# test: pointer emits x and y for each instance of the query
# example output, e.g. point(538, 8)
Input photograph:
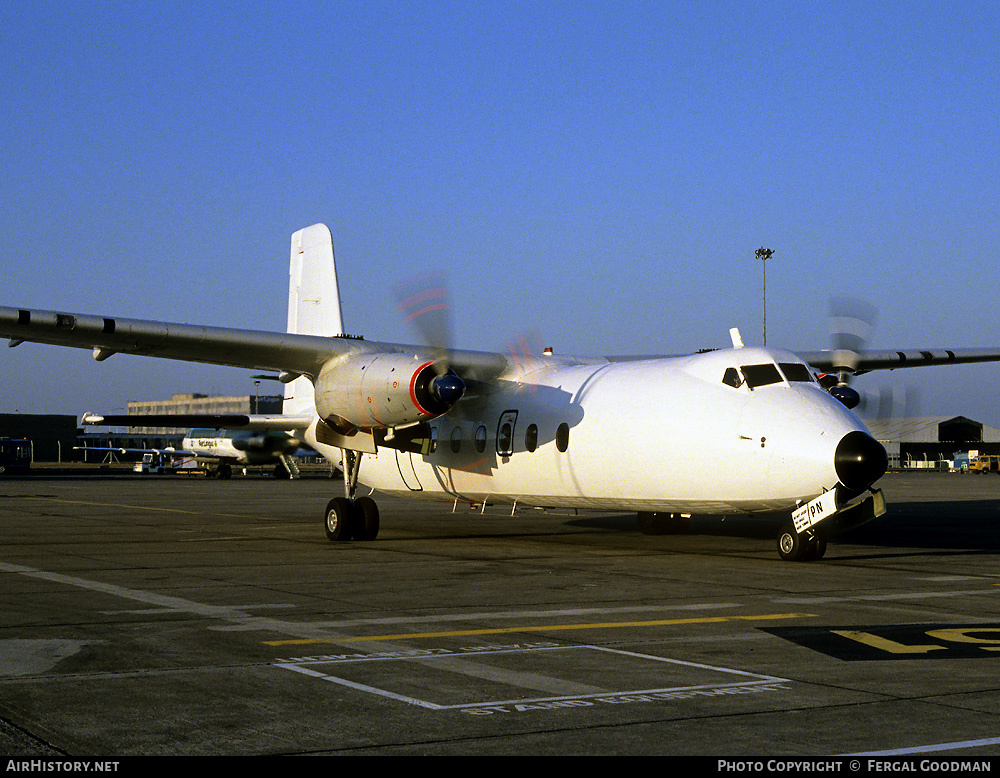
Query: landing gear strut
point(350, 517)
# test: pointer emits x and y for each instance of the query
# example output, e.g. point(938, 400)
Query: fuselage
point(733, 431)
point(239, 447)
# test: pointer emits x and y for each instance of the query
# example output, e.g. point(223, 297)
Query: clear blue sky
point(597, 173)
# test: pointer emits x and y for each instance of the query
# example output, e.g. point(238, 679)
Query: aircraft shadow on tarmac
point(970, 525)
point(947, 525)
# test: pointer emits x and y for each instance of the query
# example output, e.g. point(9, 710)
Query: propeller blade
point(888, 403)
point(425, 302)
point(851, 323)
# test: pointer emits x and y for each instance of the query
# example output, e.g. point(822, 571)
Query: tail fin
point(313, 297)
point(313, 302)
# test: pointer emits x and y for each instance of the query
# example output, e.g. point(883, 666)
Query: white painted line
point(231, 614)
point(932, 748)
point(993, 591)
point(362, 687)
point(725, 687)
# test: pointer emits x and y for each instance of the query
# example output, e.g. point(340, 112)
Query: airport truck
point(985, 463)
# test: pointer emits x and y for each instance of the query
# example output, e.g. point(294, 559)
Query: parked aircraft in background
point(218, 450)
point(631, 434)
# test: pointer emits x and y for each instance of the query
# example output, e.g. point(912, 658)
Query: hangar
point(927, 441)
point(52, 436)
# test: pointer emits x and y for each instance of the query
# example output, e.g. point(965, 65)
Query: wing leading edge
point(288, 353)
point(303, 354)
point(859, 362)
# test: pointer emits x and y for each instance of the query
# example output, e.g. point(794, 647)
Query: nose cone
point(860, 460)
point(448, 388)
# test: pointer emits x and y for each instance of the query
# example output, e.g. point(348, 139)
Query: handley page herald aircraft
point(726, 432)
point(216, 449)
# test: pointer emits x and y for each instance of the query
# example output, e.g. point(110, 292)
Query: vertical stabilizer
point(313, 301)
point(313, 297)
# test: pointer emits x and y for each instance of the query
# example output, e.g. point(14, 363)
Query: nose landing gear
point(804, 540)
point(809, 546)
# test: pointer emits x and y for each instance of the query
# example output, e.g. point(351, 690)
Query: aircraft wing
point(302, 354)
point(228, 421)
point(292, 354)
point(863, 361)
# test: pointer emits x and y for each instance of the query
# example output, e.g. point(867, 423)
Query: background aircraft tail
point(313, 302)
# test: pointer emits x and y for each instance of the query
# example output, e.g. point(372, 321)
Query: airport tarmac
point(144, 615)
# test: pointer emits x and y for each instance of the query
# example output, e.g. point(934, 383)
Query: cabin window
point(732, 378)
point(505, 439)
point(481, 436)
point(562, 437)
point(796, 371)
point(761, 375)
point(456, 440)
point(531, 437)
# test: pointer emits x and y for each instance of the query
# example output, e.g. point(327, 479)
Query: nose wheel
point(807, 547)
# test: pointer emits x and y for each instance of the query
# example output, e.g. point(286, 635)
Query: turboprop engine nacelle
point(381, 391)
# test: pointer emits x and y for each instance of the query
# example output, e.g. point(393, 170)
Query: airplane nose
point(860, 460)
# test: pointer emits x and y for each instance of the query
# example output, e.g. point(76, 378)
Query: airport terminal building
point(200, 403)
point(60, 438)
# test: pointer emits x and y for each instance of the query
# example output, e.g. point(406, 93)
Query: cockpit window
point(761, 375)
point(796, 371)
point(732, 378)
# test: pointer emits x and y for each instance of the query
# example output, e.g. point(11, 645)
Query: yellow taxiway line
point(540, 628)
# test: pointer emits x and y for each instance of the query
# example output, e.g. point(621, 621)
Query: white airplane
point(729, 432)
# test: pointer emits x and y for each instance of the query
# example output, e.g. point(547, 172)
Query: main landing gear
point(351, 517)
point(348, 519)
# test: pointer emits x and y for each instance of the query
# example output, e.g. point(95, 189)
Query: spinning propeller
point(425, 302)
point(851, 323)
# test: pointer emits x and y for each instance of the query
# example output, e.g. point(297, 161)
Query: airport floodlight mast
point(764, 254)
